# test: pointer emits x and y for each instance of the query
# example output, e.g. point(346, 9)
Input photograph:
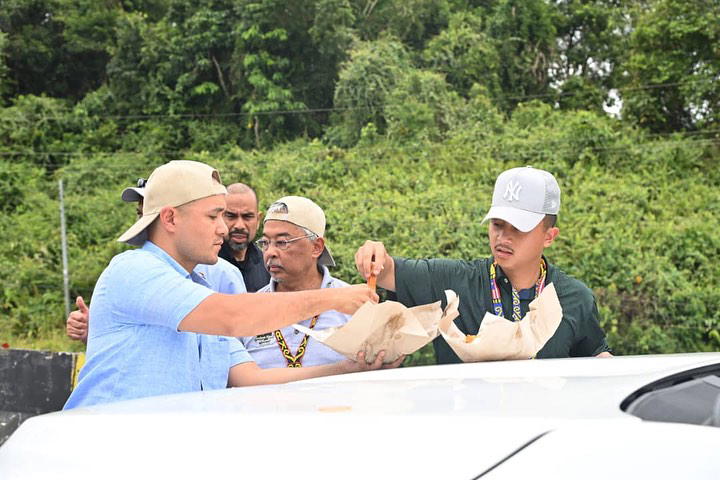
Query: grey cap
point(523, 196)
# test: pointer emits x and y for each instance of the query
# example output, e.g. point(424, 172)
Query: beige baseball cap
point(304, 213)
point(171, 185)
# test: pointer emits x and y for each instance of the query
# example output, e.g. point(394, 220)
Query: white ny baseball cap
point(523, 196)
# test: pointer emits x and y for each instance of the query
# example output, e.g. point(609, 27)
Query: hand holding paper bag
point(501, 339)
point(388, 326)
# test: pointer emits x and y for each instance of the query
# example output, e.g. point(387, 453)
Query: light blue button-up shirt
point(134, 346)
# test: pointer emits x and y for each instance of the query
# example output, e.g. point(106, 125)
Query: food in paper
point(501, 339)
point(388, 326)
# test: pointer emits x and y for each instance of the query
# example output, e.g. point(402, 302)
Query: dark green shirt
point(418, 282)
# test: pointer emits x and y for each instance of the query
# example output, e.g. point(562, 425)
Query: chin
point(210, 260)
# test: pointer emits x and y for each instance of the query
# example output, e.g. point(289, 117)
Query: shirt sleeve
point(154, 293)
point(419, 282)
point(238, 353)
point(591, 338)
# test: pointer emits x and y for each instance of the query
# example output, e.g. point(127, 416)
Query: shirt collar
point(195, 276)
point(501, 277)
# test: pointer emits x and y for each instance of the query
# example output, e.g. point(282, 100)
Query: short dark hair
point(549, 221)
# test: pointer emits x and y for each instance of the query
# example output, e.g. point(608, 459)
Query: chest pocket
point(214, 362)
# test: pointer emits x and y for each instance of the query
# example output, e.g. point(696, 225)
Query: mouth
point(503, 251)
point(273, 267)
point(239, 235)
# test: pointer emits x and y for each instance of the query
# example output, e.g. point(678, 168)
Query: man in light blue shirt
point(150, 304)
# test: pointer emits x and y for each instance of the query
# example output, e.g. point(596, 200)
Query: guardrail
point(34, 382)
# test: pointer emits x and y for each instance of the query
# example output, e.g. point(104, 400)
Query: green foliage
point(364, 82)
point(4, 70)
point(675, 45)
point(430, 101)
point(465, 54)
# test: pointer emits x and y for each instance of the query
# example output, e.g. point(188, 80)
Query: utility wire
point(558, 146)
point(26, 116)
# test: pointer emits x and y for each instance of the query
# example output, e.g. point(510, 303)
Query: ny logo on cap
point(512, 191)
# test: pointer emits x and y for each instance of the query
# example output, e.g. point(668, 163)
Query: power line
point(559, 146)
point(303, 111)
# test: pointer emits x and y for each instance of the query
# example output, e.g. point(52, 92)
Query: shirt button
point(505, 280)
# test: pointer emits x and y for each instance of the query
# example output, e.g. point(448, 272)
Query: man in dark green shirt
point(522, 219)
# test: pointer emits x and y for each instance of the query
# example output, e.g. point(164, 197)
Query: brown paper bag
point(501, 339)
point(388, 326)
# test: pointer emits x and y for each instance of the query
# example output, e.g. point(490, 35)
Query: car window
point(691, 397)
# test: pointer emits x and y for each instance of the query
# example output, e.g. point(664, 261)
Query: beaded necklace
point(497, 299)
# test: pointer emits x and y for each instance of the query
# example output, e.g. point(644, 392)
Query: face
point(513, 249)
point(241, 217)
point(200, 230)
point(293, 265)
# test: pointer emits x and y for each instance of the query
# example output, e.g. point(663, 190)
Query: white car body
point(496, 420)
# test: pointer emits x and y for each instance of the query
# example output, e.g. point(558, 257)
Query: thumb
point(81, 305)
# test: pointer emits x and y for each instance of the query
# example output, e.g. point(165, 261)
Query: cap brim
point(137, 234)
point(520, 219)
point(133, 194)
point(326, 258)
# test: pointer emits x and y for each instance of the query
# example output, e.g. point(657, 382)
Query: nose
point(222, 228)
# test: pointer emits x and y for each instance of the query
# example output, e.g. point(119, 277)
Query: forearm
point(386, 278)
point(248, 374)
point(252, 314)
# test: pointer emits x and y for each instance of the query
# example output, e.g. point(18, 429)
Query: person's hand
point(349, 299)
point(361, 365)
point(77, 323)
point(371, 258)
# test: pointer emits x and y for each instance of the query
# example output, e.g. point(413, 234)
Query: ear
point(168, 218)
point(550, 236)
point(260, 216)
point(318, 247)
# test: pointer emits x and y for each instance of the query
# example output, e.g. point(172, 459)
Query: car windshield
point(691, 397)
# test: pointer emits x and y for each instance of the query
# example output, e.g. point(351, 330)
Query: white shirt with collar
point(266, 352)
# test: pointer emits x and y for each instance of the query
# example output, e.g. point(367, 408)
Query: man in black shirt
point(242, 218)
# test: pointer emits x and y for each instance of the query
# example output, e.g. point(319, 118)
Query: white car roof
point(449, 421)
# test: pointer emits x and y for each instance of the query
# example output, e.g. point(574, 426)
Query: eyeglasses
point(281, 244)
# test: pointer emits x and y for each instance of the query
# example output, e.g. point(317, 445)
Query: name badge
point(264, 340)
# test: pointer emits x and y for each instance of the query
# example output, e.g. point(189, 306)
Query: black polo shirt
point(252, 267)
point(418, 282)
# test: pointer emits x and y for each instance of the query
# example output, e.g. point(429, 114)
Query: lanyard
point(497, 299)
point(294, 361)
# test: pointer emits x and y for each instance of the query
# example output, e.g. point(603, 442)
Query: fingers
point(396, 363)
point(81, 305)
point(370, 258)
point(77, 317)
point(378, 363)
point(77, 325)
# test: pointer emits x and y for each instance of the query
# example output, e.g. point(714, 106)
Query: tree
point(590, 39)
point(673, 65)
point(524, 33)
point(371, 72)
point(465, 54)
